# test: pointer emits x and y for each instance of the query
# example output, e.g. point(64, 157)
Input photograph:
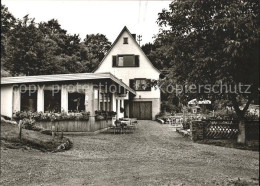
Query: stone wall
point(197, 130)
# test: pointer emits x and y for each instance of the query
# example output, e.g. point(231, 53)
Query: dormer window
point(125, 40)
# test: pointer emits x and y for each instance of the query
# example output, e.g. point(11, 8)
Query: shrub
point(29, 124)
point(47, 132)
point(99, 117)
point(50, 116)
point(249, 116)
point(111, 113)
point(169, 107)
point(122, 109)
point(104, 114)
point(186, 125)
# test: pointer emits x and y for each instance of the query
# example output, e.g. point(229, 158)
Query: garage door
point(141, 110)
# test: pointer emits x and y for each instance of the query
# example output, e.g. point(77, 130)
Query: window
point(104, 101)
point(125, 40)
point(52, 101)
point(76, 102)
point(29, 101)
point(140, 84)
point(129, 60)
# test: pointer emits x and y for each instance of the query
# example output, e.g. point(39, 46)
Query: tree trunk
point(241, 138)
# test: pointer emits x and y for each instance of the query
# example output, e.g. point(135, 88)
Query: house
point(56, 93)
point(118, 84)
point(201, 105)
point(127, 61)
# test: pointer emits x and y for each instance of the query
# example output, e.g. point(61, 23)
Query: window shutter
point(131, 83)
point(148, 88)
point(114, 61)
point(136, 60)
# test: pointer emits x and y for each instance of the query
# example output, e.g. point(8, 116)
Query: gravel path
point(153, 155)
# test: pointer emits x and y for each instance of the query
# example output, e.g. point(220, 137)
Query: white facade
point(12, 89)
point(144, 70)
point(7, 100)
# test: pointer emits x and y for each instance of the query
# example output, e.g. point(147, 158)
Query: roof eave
point(125, 29)
point(51, 78)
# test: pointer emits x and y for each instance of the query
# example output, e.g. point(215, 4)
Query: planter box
point(74, 126)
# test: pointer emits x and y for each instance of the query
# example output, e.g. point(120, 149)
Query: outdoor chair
point(172, 121)
point(125, 123)
point(131, 127)
point(116, 125)
point(134, 122)
point(113, 126)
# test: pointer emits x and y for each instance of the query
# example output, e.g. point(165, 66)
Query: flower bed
point(29, 119)
point(71, 122)
point(51, 116)
point(104, 115)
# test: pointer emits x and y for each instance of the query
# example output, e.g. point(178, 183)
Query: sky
point(91, 17)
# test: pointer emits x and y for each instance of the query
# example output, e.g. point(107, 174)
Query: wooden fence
point(222, 129)
point(74, 126)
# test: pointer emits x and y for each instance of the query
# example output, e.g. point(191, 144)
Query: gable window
point(125, 40)
point(140, 84)
point(128, 60)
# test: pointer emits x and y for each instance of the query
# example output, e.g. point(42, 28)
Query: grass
point(232, 143)
point(30, 138)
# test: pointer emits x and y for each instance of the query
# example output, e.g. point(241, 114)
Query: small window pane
point(137, 84)
point(129, 61)
point(29, 101)
point(120, 61)
point(52, 101)
point(142, 84)
point(76, 102)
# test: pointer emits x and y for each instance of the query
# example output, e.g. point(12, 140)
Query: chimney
point(134, 36)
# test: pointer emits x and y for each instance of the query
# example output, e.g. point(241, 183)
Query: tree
point(214, 42)
point(7, 24)
point(29, 48)
point(29, 52)
point(156, 54)
point(96, 46)
point(67, 44)
point(68, 50)
point(44, 48)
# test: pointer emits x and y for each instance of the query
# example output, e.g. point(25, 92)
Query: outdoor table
point(124, 123)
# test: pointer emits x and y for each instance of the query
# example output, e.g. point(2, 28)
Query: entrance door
point(141, 110)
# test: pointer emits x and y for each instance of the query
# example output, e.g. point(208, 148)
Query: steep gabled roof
point(125, 29)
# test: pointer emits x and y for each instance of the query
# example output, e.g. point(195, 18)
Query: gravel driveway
point(153, 155)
